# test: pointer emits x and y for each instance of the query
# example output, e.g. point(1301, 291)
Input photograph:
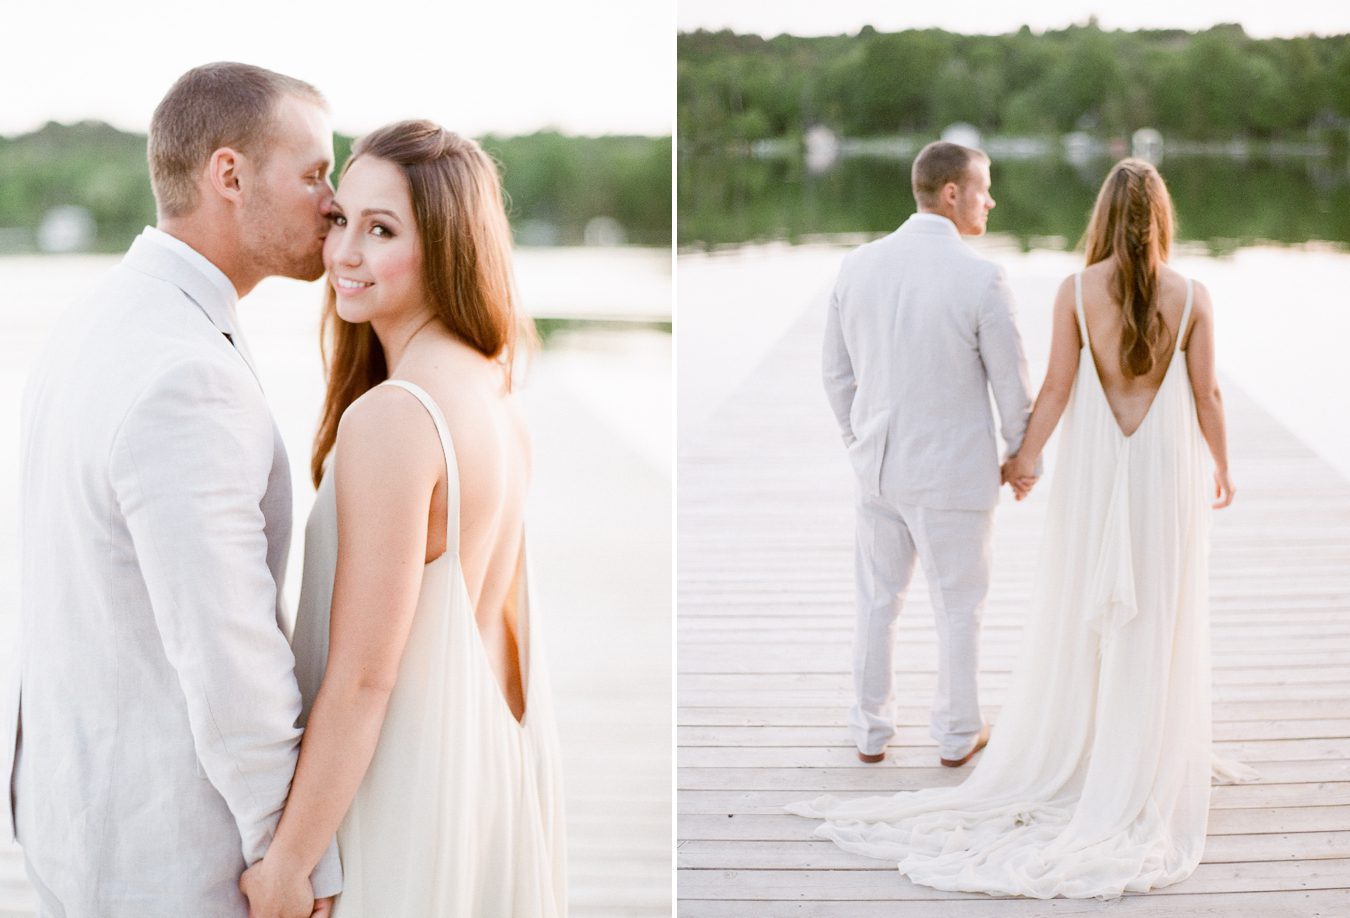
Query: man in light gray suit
point(150, 740)
point(920, 328)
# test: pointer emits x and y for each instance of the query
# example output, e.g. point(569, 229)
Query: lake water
point(1222, 202)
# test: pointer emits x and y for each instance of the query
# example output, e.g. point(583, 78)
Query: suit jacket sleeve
point(1005, 363)
point(189, 468)
point(837, 370)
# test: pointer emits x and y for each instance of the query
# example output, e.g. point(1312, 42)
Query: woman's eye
point(338, 220)
point(380, 229)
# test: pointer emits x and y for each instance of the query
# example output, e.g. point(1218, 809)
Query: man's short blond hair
point(939, 163)
point(224, 104)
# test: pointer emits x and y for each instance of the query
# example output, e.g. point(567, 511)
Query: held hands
point(1020, 474)
point(1223, 489)
point(272, 893)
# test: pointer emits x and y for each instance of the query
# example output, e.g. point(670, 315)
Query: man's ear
point(950, 191)
point(223, 172)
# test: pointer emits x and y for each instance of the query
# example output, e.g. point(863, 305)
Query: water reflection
point(1044, 202)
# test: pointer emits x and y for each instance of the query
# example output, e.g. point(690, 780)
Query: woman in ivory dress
point(1096, 780)
point(430, 746)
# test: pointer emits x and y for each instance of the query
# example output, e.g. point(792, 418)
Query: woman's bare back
point(492, 451)
point(1129, 397)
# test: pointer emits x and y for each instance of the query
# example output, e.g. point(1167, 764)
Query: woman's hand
point(1021, 474)
point(273, 893)
point(1223, 489)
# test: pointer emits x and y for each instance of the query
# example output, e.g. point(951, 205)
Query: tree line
point(552, 179)
point(1212, 85)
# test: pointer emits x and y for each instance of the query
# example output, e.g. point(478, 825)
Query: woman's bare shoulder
point(386, 428)
point(1175, 287)
point(382, 409)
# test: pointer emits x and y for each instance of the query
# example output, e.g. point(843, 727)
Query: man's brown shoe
point(980, 742)
point(872, 759)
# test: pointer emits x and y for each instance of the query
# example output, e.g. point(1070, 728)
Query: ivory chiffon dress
point(461, 812)
point(1096, 779)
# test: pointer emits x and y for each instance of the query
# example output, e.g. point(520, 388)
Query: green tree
point(1218, 80)
point(1086, 83)
point(897, 79)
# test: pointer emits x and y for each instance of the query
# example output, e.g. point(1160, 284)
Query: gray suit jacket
point(920, 328)
point(158, 701)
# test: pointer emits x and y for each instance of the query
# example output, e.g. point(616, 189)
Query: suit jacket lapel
point(148, 257)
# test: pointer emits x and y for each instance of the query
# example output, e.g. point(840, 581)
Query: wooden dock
point(764, 590)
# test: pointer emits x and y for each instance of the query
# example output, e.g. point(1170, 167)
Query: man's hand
point(272, 893)
point(323, 908)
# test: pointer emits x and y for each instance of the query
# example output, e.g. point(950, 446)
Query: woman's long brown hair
point(1132, 221)
point(466, 265)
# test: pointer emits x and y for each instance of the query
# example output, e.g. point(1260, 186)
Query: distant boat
point(67, 228)
point(604, 231)
point(1080, 147)
point(822, 148)
point(967, 135)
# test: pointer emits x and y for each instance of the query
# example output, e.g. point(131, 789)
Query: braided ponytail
point(1132, 222)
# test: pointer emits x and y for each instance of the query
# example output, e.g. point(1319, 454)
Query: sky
point(1260, 18)
point(503, 66)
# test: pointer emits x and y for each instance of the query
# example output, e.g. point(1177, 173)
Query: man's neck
point(209, 246)
point(936, 213)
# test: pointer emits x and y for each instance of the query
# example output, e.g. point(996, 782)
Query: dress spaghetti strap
point(451, 467)
point(1185, 317)
point(1078, 307)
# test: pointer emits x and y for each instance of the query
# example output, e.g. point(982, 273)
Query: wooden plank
point(996, 680)
point(1000, 640)
point(841, 697)
point(830, 664)
point(910, 715)
point(1221, 822)
point(1236, 796)
point(717, 626)
point(1329, 903)
point(1252, 752)
point(918, 735)
point(818, 854)
point(889, 778)
point(884, 884)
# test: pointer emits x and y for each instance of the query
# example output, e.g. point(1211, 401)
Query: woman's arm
point(388, 461)
point(1065, 343)
point(1208, 399)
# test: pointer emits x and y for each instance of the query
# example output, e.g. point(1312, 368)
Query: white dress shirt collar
point(932, 223)
point(197, 260)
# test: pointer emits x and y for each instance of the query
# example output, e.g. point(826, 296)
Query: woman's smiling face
point(373, 254)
